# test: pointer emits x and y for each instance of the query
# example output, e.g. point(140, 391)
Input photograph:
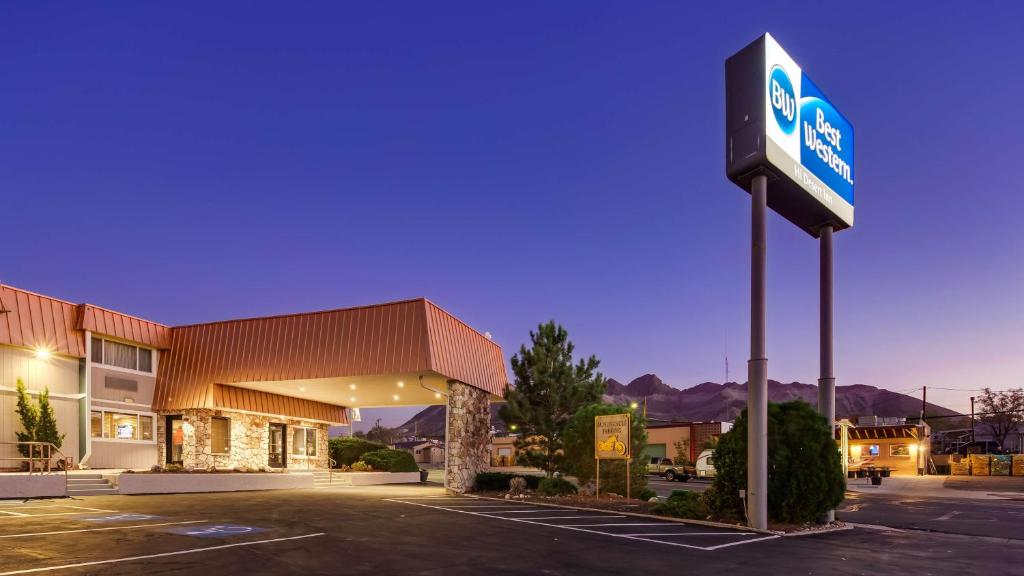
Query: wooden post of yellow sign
point(611, 442)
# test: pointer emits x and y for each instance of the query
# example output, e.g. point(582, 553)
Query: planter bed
point(375, 478)
point(183, 482)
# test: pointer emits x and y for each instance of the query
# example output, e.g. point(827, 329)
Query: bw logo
point(783, 99)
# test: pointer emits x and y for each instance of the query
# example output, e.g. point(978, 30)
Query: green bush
point(390, 460)
point(645, 494)
point(805, 474)
point(683, 504)
point(347, 451)
point(499, 481)
point(579, 450)
point(361, 467)
point(555, 487)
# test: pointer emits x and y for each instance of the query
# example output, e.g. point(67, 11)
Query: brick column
point(469, 431)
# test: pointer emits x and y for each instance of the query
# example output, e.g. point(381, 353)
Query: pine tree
point(46, 429)
point(28, 413)
point(548, 390)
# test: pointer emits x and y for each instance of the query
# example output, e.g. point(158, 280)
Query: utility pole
point(972, 419)
point(924, 401)
point(757, 368)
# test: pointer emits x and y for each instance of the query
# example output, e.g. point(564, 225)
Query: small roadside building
point(666, 440)
point(902, 449)
point(429, 452)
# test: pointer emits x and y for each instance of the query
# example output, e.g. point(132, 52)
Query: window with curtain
point(120, 355)
point(145, 360)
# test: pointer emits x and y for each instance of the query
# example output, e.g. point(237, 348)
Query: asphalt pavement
point(417, 529)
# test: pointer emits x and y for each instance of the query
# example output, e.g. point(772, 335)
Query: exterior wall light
point(351, 386)
point(395, 396)
point(401, 384)
point(43, 353)
point(352, 399)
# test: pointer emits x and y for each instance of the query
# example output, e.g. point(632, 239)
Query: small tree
point(579, 450)
point(682, 452)
point(46, 429)
point(549, 389)
point(28, 413)
point(805, 475)
point(1002, 412)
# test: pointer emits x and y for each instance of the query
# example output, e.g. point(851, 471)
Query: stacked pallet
point(959, 465)
point(980, 464)
point(1018, 464)
point(1001, 465)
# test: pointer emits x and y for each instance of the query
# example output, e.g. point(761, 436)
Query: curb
point(641, 515)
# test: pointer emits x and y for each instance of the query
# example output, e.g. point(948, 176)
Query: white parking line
point(161, 555)
point(947, 515)
point(645, 538)
point(572, 518)
point(97, 529)
point(23, 516)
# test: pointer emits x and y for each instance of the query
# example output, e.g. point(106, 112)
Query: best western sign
point(779, 123)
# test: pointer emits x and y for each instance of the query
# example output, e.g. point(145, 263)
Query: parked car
point(669, 470)
point(705, 465)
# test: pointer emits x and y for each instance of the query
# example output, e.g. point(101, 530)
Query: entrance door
point(175, 440)
point(278, 448)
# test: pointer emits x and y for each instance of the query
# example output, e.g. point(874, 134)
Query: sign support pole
point(827, 381)
point(597, 479)
point(757, 368)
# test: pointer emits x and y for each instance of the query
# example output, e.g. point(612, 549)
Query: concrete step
point(89, 486)
point(85, 476)
point(92, 491)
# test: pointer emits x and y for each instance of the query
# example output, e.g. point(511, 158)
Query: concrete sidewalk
point(962, 487)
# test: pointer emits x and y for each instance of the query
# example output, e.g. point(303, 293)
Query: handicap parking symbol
point(122, 517)
point(214, 530)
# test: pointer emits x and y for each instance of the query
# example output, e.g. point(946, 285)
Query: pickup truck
point(670, 471)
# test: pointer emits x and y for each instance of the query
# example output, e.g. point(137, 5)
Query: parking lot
point(417, 529)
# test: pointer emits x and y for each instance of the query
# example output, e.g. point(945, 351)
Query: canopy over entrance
point(315, 364)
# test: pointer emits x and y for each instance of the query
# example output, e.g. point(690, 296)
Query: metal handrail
point(331, 463)
point(44, 459)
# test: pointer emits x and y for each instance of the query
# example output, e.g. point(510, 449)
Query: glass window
point(121, 355)
point(120, 426)
point(97, 350)
point(145, 360)
point(220, 435)
point(899, 450)
point(96, 424)
point(303, 441)
point(145, 427)
point(310, 441)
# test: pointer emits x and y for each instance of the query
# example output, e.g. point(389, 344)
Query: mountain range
point(711, 401)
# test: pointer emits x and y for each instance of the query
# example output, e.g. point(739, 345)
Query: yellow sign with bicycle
point(611, 437)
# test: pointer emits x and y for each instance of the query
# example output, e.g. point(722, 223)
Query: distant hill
point(711, 401)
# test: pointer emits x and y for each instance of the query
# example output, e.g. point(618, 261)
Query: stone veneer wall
point(250, 441)
point(469, 428)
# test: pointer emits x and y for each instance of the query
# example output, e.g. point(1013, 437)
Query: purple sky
point(539, 160)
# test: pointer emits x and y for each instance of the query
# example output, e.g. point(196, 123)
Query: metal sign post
point(757, 377)
point(827, 381)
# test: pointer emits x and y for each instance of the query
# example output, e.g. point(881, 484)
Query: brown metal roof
point(393, 338)
point(36, 321)
point(234, 398)
point(895, 432)
point(123, 326)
